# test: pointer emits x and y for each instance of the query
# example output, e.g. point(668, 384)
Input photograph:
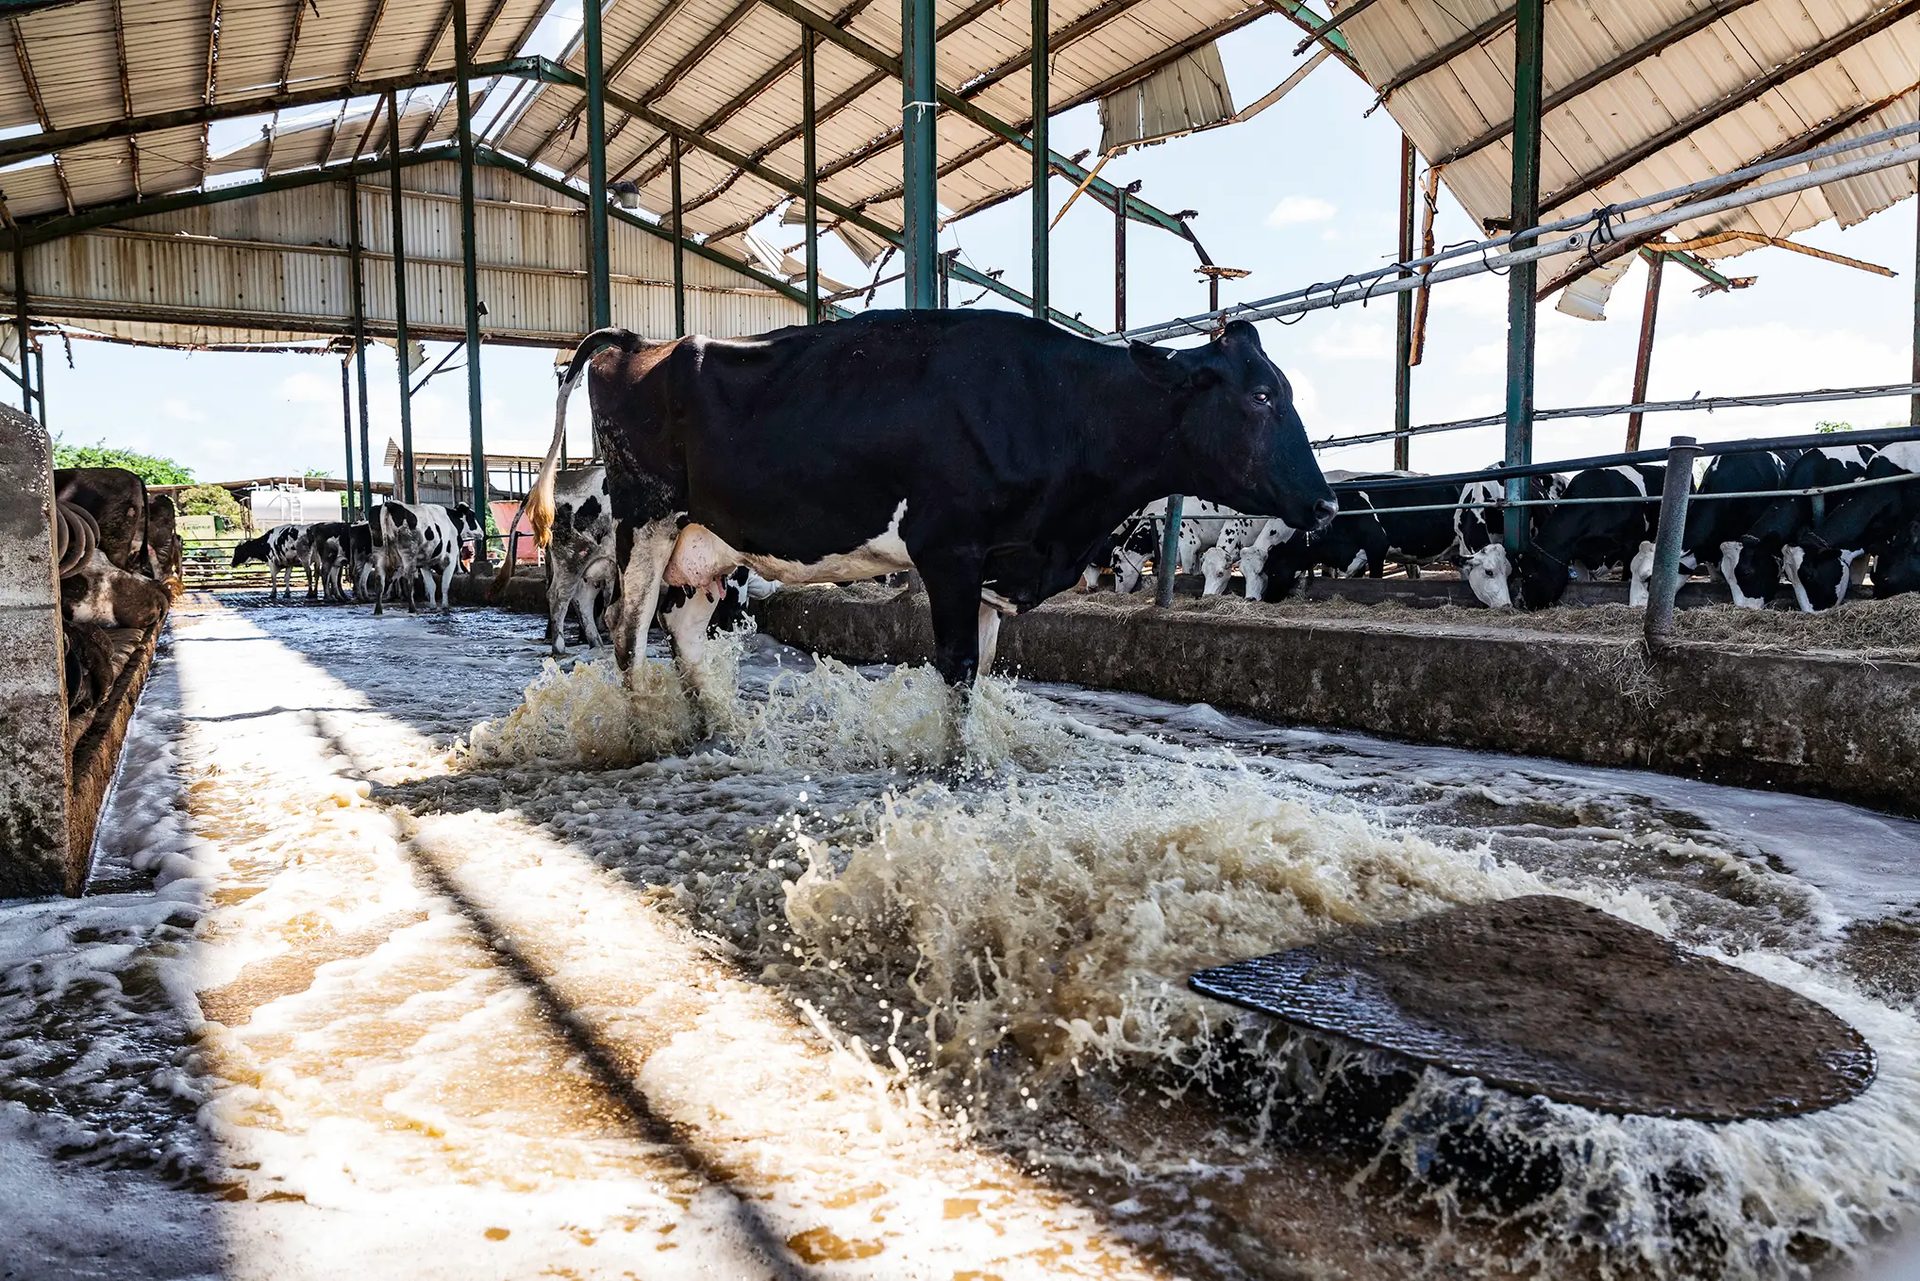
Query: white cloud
point(1294, 210)
point(1354, 340)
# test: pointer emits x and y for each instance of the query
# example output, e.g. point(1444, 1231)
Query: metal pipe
point(1522, 317)
point(919, 101)
point(1665, 584)
point(1168, 562)
point(1042, 267)
point(679, 243)
point(357, 284)
point(1359, 286)
point(1403, 318)
point(40, 383)
point(1643, 358)
point(400, 341)
point(346, 431)
point(1120, 264)
point(599, 283)
point(470, 276)
point(810, 159)
point(1913, 405)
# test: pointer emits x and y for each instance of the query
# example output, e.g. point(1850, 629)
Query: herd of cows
point(1768, 537)
point(404, 551)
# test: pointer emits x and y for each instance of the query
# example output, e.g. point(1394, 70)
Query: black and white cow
point(1828, 559)
point(1126, 552)
point(418, 546)
point(95, 592)
point(1713, 521)
point(1353, 544)
point(1578, 539)
point(1896, 570)
point(1752, 563)
point(117, 500)
point(1218, 561)
point(580, 568)
point(327, 557)
point(1421, 528)
point(165, 551)
point(993, 453)
point(282, 550)
point(1481, 519)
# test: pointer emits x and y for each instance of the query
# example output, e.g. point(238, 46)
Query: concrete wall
point(1820, 724)
point(35, 839)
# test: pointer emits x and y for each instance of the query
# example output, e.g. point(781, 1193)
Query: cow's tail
point(537, 506)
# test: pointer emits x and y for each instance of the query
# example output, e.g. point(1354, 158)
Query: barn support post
point(1522, 281)
point(470, 272)
point(22, 319)
point(1913, 407)
point(599, 286)
point(1665, 584)
point(400, 342)
point(920, 232)
point(1403, 319)
point(679, 244)
point(810, 159)
point(1042, 266)
point(346, 432)
point(1120, 264)
point(1643, 358)
point(357, 283)
point(1167, 563)
point(40, 381)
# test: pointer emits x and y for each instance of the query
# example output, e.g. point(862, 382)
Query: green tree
point(317, 473)
point(211, 500)
point(154, 470)
point(1828, 426)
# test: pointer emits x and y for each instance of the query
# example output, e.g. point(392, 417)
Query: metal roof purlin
point(1307, 20)
point(647, 35)
point(39, 107)
point(126, 90)
point(446, 27)
point(1447, 52)
point(210, 85)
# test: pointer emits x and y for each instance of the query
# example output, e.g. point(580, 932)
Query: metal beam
point(1320, 30)
point(470, 273)
point(210, 84)
point(357, 285)
point(1753, 89)
point(1913, 406)
point(1522, 316)
point(1120, 266)
point(1306, 19)
point(655, 25)
point(1446, 53)
point(1403, 316)
point(486, 29)
point(599, 288)
point(919, 99)
point(679, 250)
point(400, 339)
point(346, 428)
point(1643, 357)
point(32, 84)
point(126, 88)
point(1037, 54)
point(810, 158)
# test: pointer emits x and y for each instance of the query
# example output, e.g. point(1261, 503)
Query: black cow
point(117, 500)
point(1897, 569)
point(1832, 556)
point(1579, 537)
point(1751, 564)
point(1354, 543)
point(993, 453)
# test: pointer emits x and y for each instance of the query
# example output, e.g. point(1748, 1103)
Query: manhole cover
point(1543, 995)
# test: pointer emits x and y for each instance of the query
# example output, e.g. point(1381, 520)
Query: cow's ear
point(1241, 333)
point(1159, 365)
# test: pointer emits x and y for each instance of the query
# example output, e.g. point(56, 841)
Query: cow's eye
point(1263, 395)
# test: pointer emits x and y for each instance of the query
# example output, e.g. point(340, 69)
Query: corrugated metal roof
point(1703, 87)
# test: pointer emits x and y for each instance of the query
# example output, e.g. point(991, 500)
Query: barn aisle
point(302, 1031)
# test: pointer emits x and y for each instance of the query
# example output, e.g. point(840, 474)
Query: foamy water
point(868, 981)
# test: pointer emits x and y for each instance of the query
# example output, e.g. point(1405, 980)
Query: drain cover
point(1543, 995)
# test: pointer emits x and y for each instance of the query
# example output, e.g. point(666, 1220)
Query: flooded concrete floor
point(560, 1001)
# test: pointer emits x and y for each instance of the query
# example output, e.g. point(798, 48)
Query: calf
point(117, 501)
point(1832, 556)
point(1577, 539)
point(418, 545)
point(1751, 564)
point(281, 549)
point(580, 567)
point(1218, 562)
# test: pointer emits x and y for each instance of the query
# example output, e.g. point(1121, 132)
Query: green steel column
point(810, 159)
point(1913, 408)
point(600, 288)
point(358, 286)
point(21, 319)
point(918, 105)
point(1042, 269)
point(470, 270)
point(400, 298)
point(1120, 263)
point(679, 243)
point(1403, 319)
point(1523, 279)
point(346, 431)
point(40, 383)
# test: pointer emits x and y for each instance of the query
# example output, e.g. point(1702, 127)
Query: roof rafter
point(1447, 52)
point(1691, 25)
point(39, 107)
point(209, 85)
point(1753, 89)
point(353, 73)
point(126, 89)
point(446, 99)
point(627, 58)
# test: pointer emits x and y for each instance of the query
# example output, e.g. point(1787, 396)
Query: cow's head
point(1896, 569)
point(1216, 567)
point(1543, 578)
point(1752, 570)
point(1487, 572)
point(1142, 543)
point(1820, 575)
point(1241, 443)
point(466, 523)
point(251, 549)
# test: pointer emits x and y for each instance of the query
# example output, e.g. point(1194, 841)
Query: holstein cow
point(327, 556)
point(1354, 543)
point(117, 500)
point(1481, 521)
point(1714, 521)
point(281, 549)
point(1832, 556)
point(1421, 537)
point(418, 546)
point(1577, 539)
point(165, 551)
point(1897, 569)
point(1751, 564)
point(1216, 565)
point(1126, 552)
point(994, 453)
point(580, 568)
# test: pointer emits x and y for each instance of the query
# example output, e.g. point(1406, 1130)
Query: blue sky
point(1304, 192)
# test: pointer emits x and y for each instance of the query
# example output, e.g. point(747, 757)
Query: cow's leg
point(586, 598)
point(446, 585)
point(410, 574)
point(953, 598)
point(989, 637)
point(689, 610)
point(377, 578)
point(642, 556)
